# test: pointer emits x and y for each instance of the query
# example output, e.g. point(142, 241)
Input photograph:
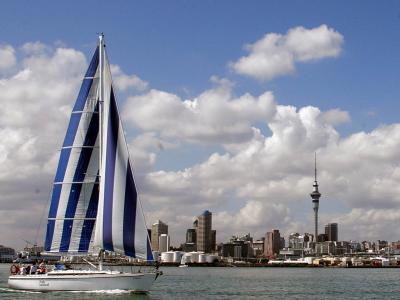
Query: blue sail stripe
point(149, 252)
point(88, 225)
point(111, 147)
point(49, 234)
point(62, 166)
point(79, 176)
point(87, 83)
point(129, 220)
point(55, 198)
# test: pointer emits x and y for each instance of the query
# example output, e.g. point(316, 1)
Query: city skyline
point(223, 110)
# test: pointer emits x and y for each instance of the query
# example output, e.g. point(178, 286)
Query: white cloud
point(275, 54)
point(123, 81)
point(7, 57)
point(262, 184)
point(260, 179)
point(215, 116)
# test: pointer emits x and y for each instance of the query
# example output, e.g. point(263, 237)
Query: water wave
point(108, 292)
point(8, 290)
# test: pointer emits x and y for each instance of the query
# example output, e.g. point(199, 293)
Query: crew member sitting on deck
point(42, 268)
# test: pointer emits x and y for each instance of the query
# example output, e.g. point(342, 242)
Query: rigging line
point(42, 214)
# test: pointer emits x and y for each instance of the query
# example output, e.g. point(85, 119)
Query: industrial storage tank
point(167, 257)
point(186, 258)
point(177, 256)
point(156, 255)
point(195, 256)
point(202, 258)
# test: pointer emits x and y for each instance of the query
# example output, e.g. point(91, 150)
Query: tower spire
point(315, 165)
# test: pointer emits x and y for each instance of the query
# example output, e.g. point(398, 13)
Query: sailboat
point(94, 205)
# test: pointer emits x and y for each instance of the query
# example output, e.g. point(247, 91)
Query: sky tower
point(315, 195)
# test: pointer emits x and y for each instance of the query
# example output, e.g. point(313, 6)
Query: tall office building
point(163, 242)
point(213, 240)
point(157, 229)
point(331, 232)
point(272, 243)
point(191, 235)
point(204, 232)
point(315, 195)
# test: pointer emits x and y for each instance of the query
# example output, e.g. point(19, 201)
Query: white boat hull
point(83, 281)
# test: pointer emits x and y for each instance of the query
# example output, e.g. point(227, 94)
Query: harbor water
point(245, 283)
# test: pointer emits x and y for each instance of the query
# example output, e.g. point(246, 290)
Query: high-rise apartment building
point(157, 229)
point(272, 243)
point(331, 232)
point(163, 243)
point(204, 236)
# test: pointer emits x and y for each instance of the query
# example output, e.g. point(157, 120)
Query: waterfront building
point(7, 254)
point(157, 230)
point(343, 247)
point(322, 237)
point(237, 249)
point(163, 243)
point(325, 248)
point(204, 232)
point(258, 247)
point(331, 232)
point(303, 243)
point(380, 246)
point(191, 235)
point(213, 240)
point(272, 243)
point(315, 195)
point(191, 238)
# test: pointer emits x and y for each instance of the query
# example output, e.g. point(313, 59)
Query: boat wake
point(106, 292)
point(8, 290)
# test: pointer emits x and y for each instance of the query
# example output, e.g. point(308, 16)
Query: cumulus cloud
point(215, 116)
point(276, 54)
point(261, 185)
point(37, 94)
point(7, 57)
point(123, 81)
point(260, 177)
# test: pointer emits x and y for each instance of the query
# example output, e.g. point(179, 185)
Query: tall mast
point(101, 103)
point(101, 98)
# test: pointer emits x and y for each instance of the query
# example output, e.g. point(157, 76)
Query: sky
point(224, 105)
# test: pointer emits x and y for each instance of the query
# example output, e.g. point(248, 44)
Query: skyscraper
point(191, 235)
point(331, 232)
point(163, 243)
point(315, 195)
point(157, 229)
point(204, 232)
point(272, 243)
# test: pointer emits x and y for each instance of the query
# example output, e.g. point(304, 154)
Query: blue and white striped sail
point(120, 225)
point(74, 200)
point(94, 185)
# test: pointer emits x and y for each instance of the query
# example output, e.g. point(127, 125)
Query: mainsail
point(120, 225)
point(94, 184)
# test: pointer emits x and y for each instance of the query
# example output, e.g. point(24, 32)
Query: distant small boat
point(94, 205)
